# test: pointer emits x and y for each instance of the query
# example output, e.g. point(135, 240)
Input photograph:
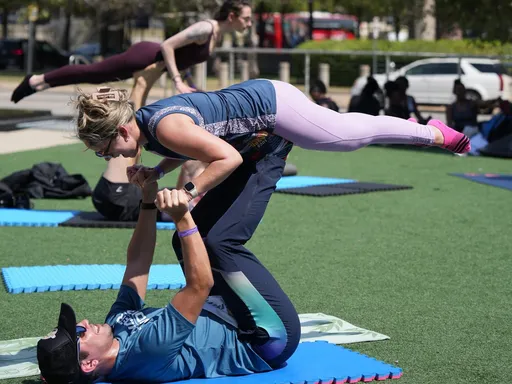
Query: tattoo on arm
point(199, 31)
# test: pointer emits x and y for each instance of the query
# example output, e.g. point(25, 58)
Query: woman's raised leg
point(311, 126)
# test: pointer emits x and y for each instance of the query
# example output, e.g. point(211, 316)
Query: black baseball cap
point(57, 353)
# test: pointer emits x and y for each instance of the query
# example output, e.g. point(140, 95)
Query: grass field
point(430, 267)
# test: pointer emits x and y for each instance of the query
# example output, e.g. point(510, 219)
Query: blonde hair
point(101, 113)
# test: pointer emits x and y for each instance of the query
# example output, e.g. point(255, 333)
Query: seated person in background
point(396, 107)
point(184, 339)
point(409, 101)
point(366, 102)
point(318, 93)
point(463, 112)
point(499, 125)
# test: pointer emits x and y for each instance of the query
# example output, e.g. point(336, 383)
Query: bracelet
point(188, 232)
point(147, 205)
point(160, 171)
point(175, 77)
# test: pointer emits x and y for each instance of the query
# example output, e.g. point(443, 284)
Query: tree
point(487, 20)
point(364, 10)
point(7, 6)
point(114, 13)
point(67, 25)
point(403, 12)
point(54, 7)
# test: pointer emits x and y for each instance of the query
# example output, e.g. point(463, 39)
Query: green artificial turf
point(429, 267)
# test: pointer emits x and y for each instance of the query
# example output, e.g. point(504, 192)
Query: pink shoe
point(453, 141)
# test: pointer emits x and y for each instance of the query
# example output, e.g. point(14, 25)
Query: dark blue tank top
point(244, 115)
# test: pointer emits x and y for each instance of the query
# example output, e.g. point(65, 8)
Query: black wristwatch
point(148, 206)
point(191, 189)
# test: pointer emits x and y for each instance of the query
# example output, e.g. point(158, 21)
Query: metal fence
point(337, 69)
point(304, 65)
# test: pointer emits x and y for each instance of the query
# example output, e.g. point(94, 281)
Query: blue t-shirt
point(243, 115)
point(160, 345)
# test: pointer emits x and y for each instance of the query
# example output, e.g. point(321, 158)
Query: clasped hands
point(174, 202)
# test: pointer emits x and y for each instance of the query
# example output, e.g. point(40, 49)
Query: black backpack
point(48, 181)
point(9, 200)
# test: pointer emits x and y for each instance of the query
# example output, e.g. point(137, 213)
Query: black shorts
point(117, 201)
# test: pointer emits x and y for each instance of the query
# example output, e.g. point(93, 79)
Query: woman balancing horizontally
point(113, 196)
point(189, 47)
point(244, 133)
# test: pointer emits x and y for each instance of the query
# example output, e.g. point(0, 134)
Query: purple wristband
point(160, 171)
point(188, 232)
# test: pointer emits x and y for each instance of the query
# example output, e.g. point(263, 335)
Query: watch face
point(189, 186)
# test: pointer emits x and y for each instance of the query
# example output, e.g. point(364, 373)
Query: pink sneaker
point(453, 141)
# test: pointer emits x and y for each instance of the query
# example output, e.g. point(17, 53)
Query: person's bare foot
point(438, 136)
point(37, 82)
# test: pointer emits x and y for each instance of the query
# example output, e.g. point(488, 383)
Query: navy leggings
point(115, 68)
point(227, 217)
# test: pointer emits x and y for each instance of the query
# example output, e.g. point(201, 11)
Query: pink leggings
point(311, 126)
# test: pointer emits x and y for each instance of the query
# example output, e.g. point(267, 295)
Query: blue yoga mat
point(494, 179)
point(40, 218)
point(80, 277)
point(33, 218)
point(308, 181)
point(316, 362)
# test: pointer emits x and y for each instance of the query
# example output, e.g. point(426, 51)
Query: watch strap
point(191, 189)
point(147, 205)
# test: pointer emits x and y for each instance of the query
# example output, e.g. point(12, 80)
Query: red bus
point(293, 29)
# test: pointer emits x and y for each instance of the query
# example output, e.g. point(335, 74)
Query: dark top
point(190, 54)
point(367, 104)
point(328, 103)
point(463, 115)
point(244, 115)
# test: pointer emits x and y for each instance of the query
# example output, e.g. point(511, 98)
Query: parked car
point(46, 56)
point(431, 80)
point(88, 51)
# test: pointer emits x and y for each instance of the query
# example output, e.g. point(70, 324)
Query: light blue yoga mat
point(308, 181)
point(80, 277)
